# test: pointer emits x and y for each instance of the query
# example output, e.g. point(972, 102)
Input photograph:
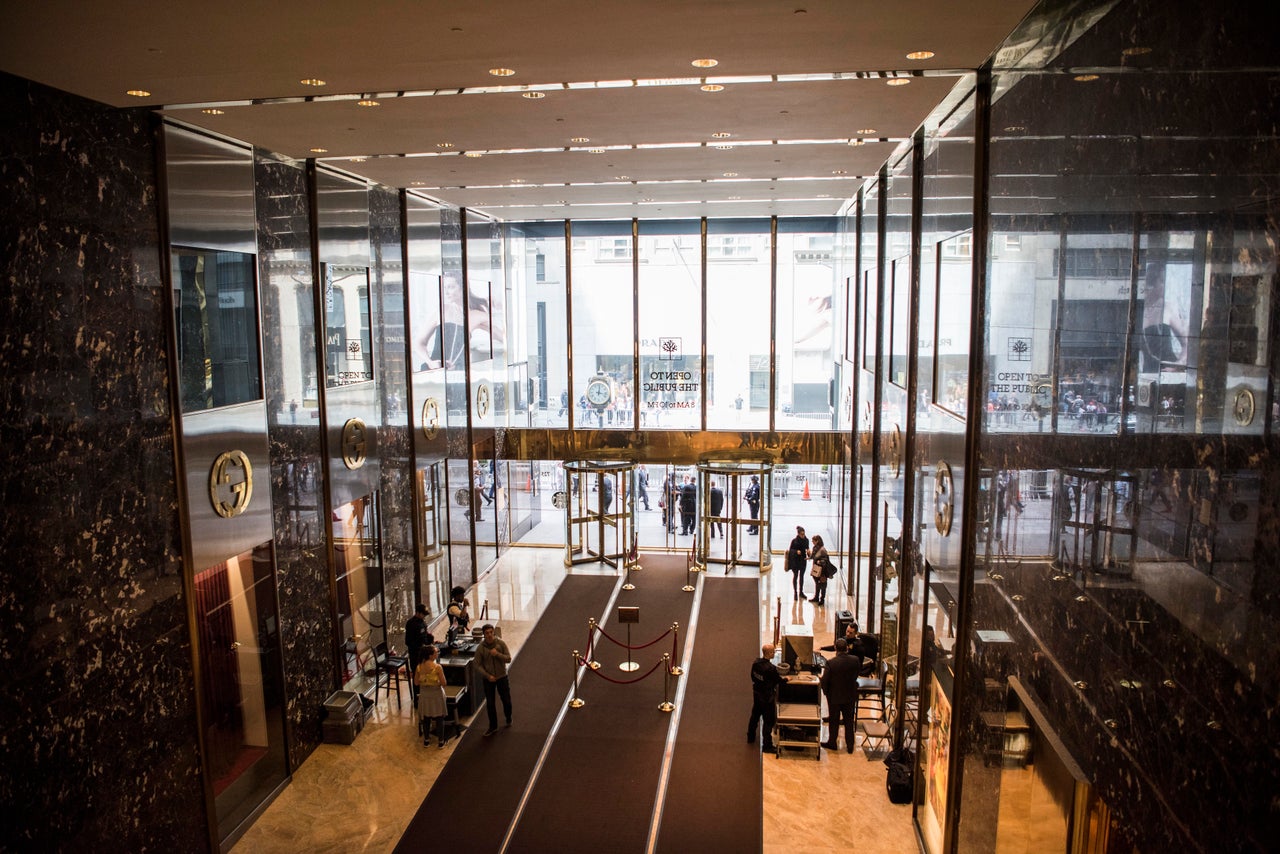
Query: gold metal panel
point(671, 446)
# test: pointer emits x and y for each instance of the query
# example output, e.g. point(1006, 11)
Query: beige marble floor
point(360, 797)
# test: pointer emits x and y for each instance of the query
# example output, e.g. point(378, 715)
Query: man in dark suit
point(765, 680)
point(840, 684)
point(717, 506)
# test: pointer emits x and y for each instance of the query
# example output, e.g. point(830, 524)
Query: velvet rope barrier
point(640, 646)
point(623, 681)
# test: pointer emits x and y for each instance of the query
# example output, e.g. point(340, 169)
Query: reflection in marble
point(293, 416)
point(99, 710)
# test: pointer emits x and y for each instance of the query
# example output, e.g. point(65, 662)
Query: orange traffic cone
point(528, 484)
point(805, 497)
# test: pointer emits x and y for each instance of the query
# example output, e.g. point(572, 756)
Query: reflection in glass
point(428, 332)
point(348, 346)
point(240, 678)
point(361, 614)
point(954, 284)
point(603, 331)
point(216, 302)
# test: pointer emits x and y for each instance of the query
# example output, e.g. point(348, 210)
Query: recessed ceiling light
point(214, 111)
point(824, 195)
point(1014, 128)
point(595, 151)
point(646, 200)
point(312, 81)
point(562, 201)
point(838, 172)
point(533, 96)
point(711, 87)
point(319, 151)
point(367, 102)
point(444, 145)
point(705, 63)
point(1136, 51)
point(502, 72)
point(721, 134)
point(581, 139)
point(723, 147)
point(866, 131)
point(920, 54)
point(622, 177)
point(898, 81)
point(731, 174)
point(138, 93)
point(1085, 78)
point(473, 154)
point(733, 198)
point(357, 159)
point(418, 183)
point(856, 142)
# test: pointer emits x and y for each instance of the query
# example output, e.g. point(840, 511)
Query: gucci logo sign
point(482, 400)
point(230, 495)
point(431, 418)
point(943, 499)
point(895, 451)
point(355, 443)
point(1243, 407)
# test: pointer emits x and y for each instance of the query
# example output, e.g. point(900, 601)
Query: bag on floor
point(898, 780)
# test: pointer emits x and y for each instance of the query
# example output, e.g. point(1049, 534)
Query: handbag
point(829, 570)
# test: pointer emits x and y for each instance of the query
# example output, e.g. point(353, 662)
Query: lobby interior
point(311, 334)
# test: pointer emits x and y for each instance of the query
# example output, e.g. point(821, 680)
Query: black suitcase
point(898, 779)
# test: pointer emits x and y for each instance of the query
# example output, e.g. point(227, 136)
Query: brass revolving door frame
point(734, 523)
point(596, 531)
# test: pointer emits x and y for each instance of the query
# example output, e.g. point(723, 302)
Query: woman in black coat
point(797, 557)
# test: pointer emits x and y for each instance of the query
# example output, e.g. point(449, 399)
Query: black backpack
point(898, 780)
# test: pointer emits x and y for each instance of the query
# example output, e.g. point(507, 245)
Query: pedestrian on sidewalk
point(819, 570)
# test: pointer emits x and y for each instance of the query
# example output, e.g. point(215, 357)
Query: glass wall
point(739, 284)
point(670, 290)
point(603, 323)
point(806, 336)
point(537, 280)
point(216, 302)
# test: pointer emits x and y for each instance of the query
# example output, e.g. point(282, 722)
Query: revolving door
point(599, 511)
point(734, 513)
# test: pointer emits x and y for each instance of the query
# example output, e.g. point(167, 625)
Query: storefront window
point(216, 303)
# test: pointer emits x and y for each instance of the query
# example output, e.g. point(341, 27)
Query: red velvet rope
point(641, 646)
point(623, 681)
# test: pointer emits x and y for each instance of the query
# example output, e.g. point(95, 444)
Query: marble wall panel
point(286, 282)
point(99, 704)
point(394, 443)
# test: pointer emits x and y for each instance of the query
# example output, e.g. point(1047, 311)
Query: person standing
point(429, 681)
point(797, 557)
point(492, 658)
point(688, 505)
point(416, 638)
point(606, 492)
point(819, 570)
point(642, 481)
point(752, 497)
point(459, 619)
point(717, 507)
point(840, 684)
point(765, 680)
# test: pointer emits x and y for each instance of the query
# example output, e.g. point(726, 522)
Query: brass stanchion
point(577, 702)
point(688, 573)
point(628, 665)
point(676, 670)
point(591, 631)
point(666, 705)
point(627, 585)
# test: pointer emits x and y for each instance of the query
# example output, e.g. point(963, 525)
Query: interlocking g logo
point(221, 485)
point(430, 418)
point(354, 443)
point(482, 400)
point(943, 499)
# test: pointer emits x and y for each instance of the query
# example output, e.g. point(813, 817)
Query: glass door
point(241, 678)
point(361, 609)
point(734, 514)
point(599, 512)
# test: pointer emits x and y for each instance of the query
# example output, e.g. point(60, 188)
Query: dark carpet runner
point(715, 792)
point(472, 802)
point(597, 789)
